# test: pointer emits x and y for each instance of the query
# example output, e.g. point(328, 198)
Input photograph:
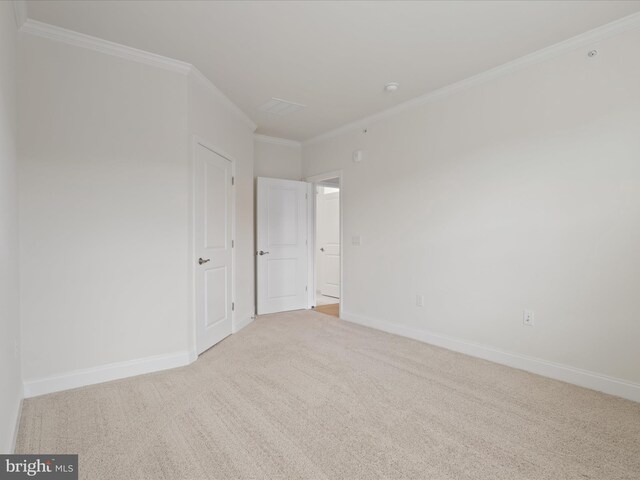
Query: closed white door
point(282, 254)
point(328, 228)
point(213, 210)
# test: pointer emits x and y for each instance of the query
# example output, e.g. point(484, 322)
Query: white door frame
point(314, 180)
point(191, 261)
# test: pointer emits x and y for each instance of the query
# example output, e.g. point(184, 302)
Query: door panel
point(213, 202)
point(216, 295)
point(329, 241)
point(282, 238)
point(331, 284)
point(282, 281)
point(283, 216)
point(216, 205)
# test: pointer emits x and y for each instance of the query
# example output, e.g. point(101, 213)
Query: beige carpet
point(303, 395)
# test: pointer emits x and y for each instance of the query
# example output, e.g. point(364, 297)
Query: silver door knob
point(322, 249)
point(261, 252)
point(203, 260)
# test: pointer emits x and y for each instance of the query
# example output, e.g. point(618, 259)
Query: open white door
point(328, 235)
point(282, 256)
point(213, 210)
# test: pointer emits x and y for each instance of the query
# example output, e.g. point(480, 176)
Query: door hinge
point(306, 195)
point(233, 306)
point(232, 244)
point(306, 289)
point(233, 180)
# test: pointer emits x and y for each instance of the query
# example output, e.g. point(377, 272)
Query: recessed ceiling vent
point(277, 106)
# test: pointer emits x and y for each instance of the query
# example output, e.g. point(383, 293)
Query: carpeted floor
point(303, 395)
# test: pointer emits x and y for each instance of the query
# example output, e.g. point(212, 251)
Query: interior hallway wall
point(106, 192)
point(104, 178)
point(277, 160)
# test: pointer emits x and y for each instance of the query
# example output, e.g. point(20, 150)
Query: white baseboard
point(240, 324)
point(576, 376)
point(193, 356)
point(115, 371)
point(105, 373)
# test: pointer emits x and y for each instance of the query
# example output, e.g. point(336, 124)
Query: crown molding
point(82, 40)
point(588, 38)
point(20, 12)
point(276, 141)
point(78, 39)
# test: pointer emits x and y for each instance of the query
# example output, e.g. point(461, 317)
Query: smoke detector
point(277, 106)
point(391, 87)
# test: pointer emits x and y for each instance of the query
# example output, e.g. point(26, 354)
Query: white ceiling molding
point(276, 141)
point(77, 39)
point(20, 11)
point(585, 39)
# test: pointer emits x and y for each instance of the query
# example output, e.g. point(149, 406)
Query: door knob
point(201, 260)
point(322, 249)
point(262, 252)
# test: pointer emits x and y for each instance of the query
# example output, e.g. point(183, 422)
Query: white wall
point(210, 120)
point(105, 215)
point(522, 192)
point(10, 375)
point(277, 160)
point(104, 203)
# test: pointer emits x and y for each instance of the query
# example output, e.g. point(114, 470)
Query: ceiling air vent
point(277, 106)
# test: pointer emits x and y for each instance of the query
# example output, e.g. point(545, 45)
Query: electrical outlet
point(420, 300)
point(527, 318)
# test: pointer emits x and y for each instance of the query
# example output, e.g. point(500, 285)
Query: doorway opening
point(327, 256)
